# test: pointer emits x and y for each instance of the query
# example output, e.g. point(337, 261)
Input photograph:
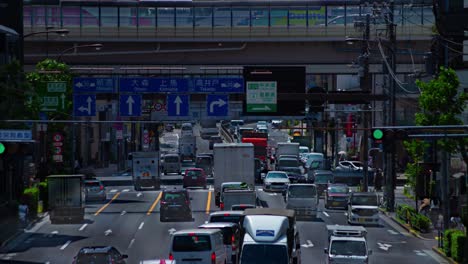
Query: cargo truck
point(187, 148)
point(66, 198)
point(269, 236)
point(145, 170)
point(288, 149)
point(233, 162)
point(235, 195)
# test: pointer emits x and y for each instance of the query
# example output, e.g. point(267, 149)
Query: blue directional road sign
point(94, 85)
point(130, 105)
point(84, 104)
point(178, 105)
point(218, 85)
point(217, 105)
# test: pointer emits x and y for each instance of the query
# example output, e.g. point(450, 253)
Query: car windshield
point(271, 254)
point(226, 218)
point(277, 176)
point(338, 189)
point(194, 173)
point(93, 258)
point(288, 163)
point(190, 243)
point(348, 248)
point(302, 191)
point(187, 128)
point(364, 200)
point(167, 145)
point(171, 159)
point(204, 161)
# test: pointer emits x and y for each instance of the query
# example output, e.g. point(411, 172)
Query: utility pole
point(366, 87)
point(390, 157)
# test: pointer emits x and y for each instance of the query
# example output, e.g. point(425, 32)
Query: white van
point(186, 130)
point(204, 246)
point(303, 199)
point(171, 164)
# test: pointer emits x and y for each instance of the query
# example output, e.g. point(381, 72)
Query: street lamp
point(97, 46)
point(61, 31)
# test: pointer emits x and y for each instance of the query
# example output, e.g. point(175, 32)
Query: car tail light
point(221, 206)
point(171, 257)
point(101, 187)
point(233, 243)
point(213, 258)
point(163, 202)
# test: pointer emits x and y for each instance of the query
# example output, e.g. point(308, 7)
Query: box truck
point(66, 198)
point(145, 170)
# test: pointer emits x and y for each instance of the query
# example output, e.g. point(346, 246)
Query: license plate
point(335, 203)
point(362, 220)
point(194, 178)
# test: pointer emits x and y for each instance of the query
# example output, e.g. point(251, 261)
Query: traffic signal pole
point(366, 87)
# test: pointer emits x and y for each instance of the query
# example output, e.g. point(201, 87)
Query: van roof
point(227, 212)
point(269, 211)
point(217, 225)
point(198, 231)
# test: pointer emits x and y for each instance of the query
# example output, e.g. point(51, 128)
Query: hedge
point(43, 194)
point(404, 212)
point(447, 241)
point(30, 198)
point(457, 245)
point(420, 222)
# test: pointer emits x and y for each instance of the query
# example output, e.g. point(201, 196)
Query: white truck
point(347, 244)
point(288, 149)
point(208, 128)
point(145, 170)
point(233, 162)
point(187, 148)
point(269, 236)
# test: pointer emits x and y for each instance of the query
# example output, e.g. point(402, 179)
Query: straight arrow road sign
point(130, 105)
point(178, 104)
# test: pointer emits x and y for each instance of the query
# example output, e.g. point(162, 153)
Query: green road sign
point(377, 134)
point(53, 96)
point(261, 97)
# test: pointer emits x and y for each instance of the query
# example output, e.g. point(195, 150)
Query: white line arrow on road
point(178, 102)
point(172, 230)
point(130, 103)
point(220, 102)
point(264, 108)
point(384, 246)
point(108, 232)
point(139, 194)
point(308, 245)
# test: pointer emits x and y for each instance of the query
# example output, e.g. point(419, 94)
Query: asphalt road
point(129, 220)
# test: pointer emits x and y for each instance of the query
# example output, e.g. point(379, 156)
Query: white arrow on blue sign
point(217, 105)
point(178, 105)
point(84, 104)
point(130, 105)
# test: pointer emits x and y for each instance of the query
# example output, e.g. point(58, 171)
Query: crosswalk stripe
point(113, 191)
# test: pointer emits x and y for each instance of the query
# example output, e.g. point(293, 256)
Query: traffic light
point(2, 148)
point(389, 135)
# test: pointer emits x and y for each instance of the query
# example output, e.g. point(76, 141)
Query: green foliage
point(448, 241)
point(415, 149)
point(404, 212)
point(31, 197)
point(420, 222)
point(457, 244)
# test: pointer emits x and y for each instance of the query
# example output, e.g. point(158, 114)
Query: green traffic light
point(377, 134)
point(2, 148)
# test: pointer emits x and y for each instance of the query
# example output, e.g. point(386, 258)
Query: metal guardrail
point(225, 133)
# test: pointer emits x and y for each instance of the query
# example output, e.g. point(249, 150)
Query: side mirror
point(325, 250)
point(124, 256)
point(369, 252)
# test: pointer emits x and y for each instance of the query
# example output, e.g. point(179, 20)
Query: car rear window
point(173, 197)
point(194, 173)
point(93, 258)
point(302, 191)
point(225, 219)
point(190, 243)
point(171, 159)
point(92, 184)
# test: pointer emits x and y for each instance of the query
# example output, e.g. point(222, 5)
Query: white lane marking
point(54, 232)
point(65, 245)
point(83, 227)
point(123, 212)
point(108, 232)
point(260, 189)
point(113, 191)
point(8, 256)
point(211, 189)
point(131, 243)
point(392, 232)
point(384, 246)
point(419, 252)
point(325, 213)
point(139, 194)
point(125, 190)
point(172, 230)
point(141, 225)
point(345, 213)
point(308, 244)
point(48, 262)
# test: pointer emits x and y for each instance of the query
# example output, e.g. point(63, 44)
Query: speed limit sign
point(57, 137)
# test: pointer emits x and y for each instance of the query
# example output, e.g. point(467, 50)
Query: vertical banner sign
point(57, 146)
point(146, 139)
